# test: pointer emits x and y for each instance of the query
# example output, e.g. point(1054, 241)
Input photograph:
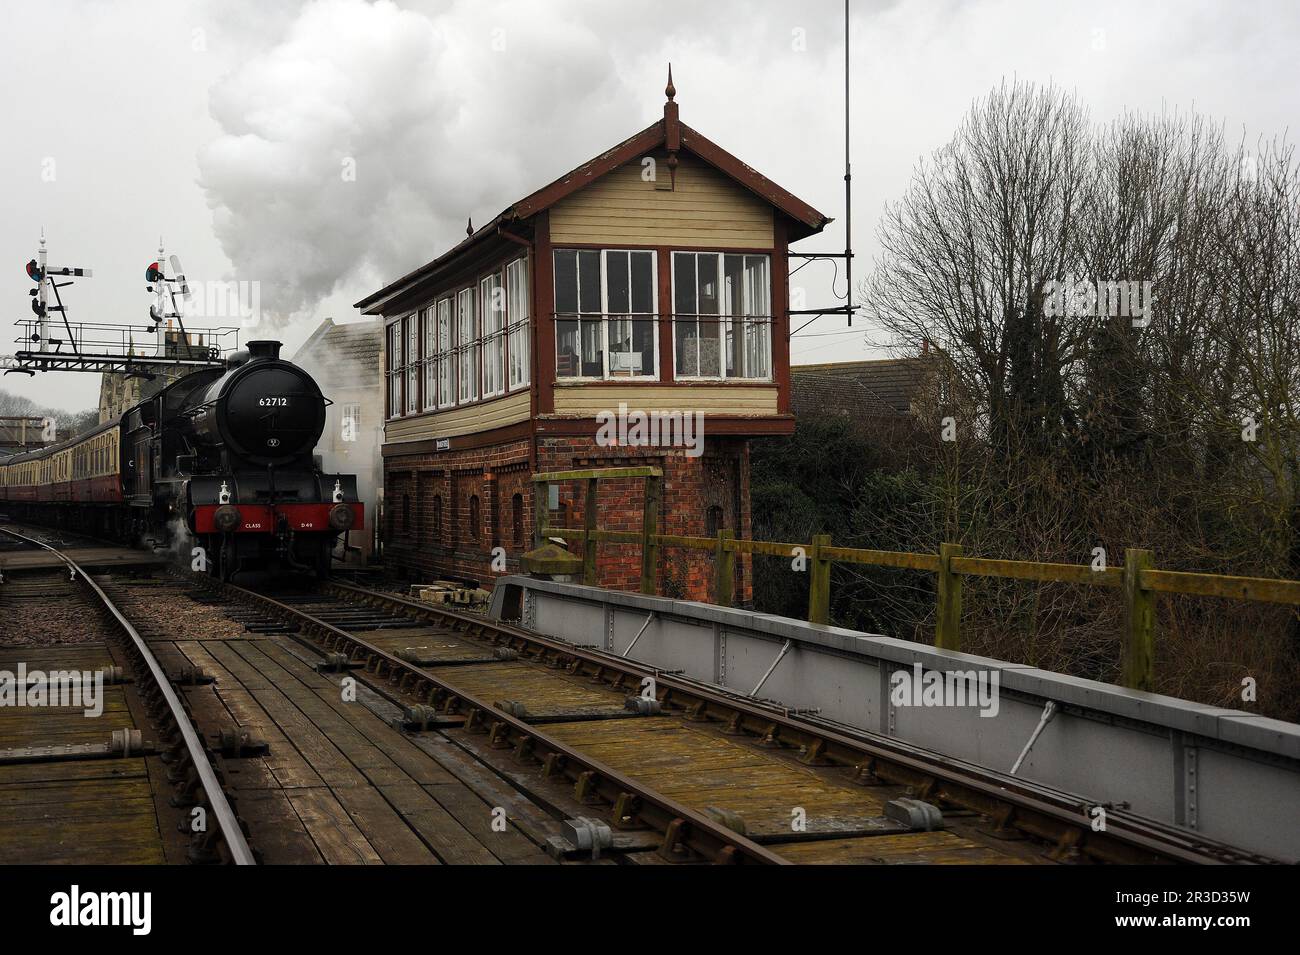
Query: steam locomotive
point(221, 459)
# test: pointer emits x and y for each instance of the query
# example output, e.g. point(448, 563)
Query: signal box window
point(605, 306)
point(722, 322)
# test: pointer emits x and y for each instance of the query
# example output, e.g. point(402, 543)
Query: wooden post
point(1138, 669)
point(947, 634)
point(724, 570)
point(541, 510)
point(589, 540)
point(819, 581)
point(650, 534)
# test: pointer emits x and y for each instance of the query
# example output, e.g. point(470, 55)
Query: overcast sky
point(324, 148)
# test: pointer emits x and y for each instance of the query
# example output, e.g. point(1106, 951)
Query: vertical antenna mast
point(848, 179)
point(848, 308)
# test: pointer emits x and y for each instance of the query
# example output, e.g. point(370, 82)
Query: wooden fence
point(1138, 580)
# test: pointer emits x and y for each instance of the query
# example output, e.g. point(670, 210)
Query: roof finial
point(672, 129)
point(469, 227)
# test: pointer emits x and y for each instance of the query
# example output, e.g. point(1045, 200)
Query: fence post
point(724, 570)
point(819, 581)
point(947, 633)
point(541, 510)
point(650, 534)
point(1138, 670)
point(589, 539)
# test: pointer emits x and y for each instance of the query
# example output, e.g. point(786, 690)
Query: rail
point(680, 826)
point(231, 832)
point(1020, 804)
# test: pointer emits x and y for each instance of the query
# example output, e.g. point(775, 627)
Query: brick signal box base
point(447, 512)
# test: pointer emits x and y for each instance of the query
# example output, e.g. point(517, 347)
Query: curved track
point(186, 752)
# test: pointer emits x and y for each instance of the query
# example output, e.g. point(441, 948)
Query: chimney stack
point(263, 349)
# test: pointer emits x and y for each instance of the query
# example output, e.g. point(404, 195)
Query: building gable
point(705, 165)
point(704, 207)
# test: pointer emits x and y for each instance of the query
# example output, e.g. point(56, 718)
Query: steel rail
point(630, 800)
point(231, 832)
point(1036, 809)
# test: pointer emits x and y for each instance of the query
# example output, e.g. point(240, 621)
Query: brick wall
point(700, 496)
point(441, 491)
point(718, 479)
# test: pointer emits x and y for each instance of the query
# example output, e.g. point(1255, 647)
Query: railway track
point(75, 789)
point(351, 725)
point(554, 708)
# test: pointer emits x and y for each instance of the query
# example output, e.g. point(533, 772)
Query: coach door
point(137, 464)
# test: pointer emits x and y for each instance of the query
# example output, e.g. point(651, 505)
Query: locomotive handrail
point(196, 410)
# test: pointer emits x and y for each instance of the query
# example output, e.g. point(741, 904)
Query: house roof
point(355, 345)
point(882, 386)
point(669, 133)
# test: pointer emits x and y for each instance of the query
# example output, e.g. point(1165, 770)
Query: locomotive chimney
point(263, 349)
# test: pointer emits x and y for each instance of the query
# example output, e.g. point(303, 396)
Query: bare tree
point(1171, 426)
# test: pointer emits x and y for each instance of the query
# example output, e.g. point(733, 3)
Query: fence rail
point(1138, 579)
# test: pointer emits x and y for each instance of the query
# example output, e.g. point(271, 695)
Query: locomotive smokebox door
point(265, 411)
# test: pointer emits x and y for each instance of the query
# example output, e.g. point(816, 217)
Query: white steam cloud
point(355, 146)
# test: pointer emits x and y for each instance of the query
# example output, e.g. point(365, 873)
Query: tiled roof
point(355, 344)
point(882, 387)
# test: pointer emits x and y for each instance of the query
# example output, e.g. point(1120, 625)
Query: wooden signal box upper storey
point(654, 274)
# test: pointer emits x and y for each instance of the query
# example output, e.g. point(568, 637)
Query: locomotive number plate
point(272, 402)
